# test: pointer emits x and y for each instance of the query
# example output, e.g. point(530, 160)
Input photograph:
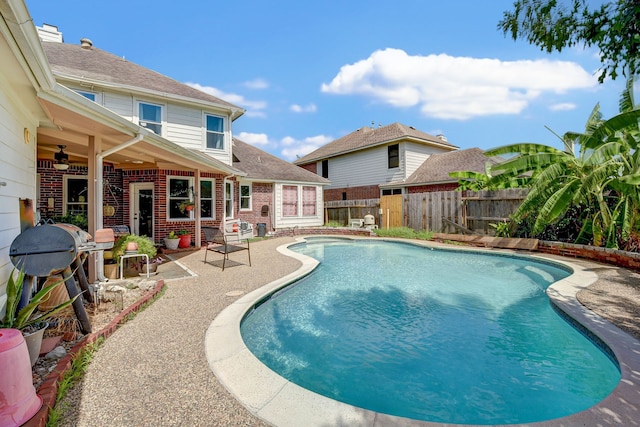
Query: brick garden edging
point(605, 255)
point(48, 390)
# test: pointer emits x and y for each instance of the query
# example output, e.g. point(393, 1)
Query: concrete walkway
point(153, 371)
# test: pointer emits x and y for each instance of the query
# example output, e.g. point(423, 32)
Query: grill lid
point(44, 250)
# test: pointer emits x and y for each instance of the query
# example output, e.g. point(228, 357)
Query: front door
point(141, 208)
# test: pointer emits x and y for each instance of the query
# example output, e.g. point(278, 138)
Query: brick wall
point(261, 195)
point(311, 167)
point(605, 255)
point(430, 188)
point(332, 231)
point(352, 193)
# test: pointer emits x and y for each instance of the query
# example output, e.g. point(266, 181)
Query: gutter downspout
point(100, 195)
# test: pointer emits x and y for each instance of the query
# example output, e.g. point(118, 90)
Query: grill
point(55, 248)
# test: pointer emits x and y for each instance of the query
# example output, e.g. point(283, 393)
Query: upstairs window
point(89, 95)
point(150, 117)
point(215, 132)
point(393, 156)
point(325, 169)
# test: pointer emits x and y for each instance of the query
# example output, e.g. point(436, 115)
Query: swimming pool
point(337, 340)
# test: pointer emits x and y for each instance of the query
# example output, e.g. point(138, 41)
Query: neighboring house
point(359, 163)
point(275, 192)
point(433, 174)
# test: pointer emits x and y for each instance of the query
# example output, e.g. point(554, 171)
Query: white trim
point(225, 132)
point(134, 192)
point(65, 192)
point(168, 197)
point(245, 184)
point(224, 191)
point(163, 114)
point(213, 197)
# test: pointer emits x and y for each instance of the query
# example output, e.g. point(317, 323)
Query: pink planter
point(18, 399)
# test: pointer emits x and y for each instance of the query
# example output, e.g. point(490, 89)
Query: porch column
point(94, 201)
point(196, 183)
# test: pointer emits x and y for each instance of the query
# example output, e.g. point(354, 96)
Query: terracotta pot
point(185, 241)
point(57, 296)
point(132, 247)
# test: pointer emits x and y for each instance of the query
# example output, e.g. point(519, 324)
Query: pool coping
point(280, 402)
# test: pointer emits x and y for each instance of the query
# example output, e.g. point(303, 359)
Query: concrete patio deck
point(157, 369)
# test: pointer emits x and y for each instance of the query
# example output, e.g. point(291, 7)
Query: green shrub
point(145, 245)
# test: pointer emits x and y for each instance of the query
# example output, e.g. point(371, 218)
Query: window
point(393, 155)
point(228, 199)
point(150, 117)
point(325, 168)
point(289, 200)
point(215, 132)
point(207, 198)
point(245, 196)
point(390, 192)
point(178, 192)
point(75, 195)
point(308, 201)
point(88, 95)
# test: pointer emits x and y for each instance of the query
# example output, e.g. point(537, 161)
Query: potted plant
point(186, 205)
point(30, 323)
point(172, 240)
point(145, 246)
point(185, 239)
point(153, 266)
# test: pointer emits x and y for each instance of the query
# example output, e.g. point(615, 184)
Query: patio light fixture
point(62, 159)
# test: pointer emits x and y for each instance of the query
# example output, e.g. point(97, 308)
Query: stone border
point(283, 403)
point(48, 390)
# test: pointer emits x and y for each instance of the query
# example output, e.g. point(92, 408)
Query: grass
point(71, 377)
point(404, 233)
point(80, 363)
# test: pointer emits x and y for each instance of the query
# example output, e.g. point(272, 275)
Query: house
point(358, 163)
point(146, 193)
point(275, 192)
point(433, 174)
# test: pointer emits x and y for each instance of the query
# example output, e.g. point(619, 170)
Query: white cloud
point(459, 88)
point(565, 106)
point(254, 138)
point(294, 148)
point(254, 108)
point(310, 108)
point(257, 84)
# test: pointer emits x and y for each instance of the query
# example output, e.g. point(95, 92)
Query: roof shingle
point(366, 137)
point(437, 167)
point(94, 64)
point(260, 165)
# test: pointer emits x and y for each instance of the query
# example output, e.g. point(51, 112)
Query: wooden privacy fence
point(482, 208)
point(426, 211)
point(343, 211)
point(438, 211)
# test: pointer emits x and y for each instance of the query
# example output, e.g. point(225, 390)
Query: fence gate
point(391, 207)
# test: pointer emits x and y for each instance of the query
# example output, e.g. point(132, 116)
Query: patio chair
point(217, 241)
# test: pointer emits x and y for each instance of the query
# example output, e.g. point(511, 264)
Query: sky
point(309, 72)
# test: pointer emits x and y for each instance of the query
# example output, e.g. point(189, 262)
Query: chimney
point(86, 43)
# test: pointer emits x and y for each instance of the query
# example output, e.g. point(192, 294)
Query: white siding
point(122, 105)
point(184, 126)
point(299, 221)
point(367, 167)
point(181, 125)
point(17, 173)
point(416, 154)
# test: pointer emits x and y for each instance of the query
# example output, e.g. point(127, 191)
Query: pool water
point(436, 335)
